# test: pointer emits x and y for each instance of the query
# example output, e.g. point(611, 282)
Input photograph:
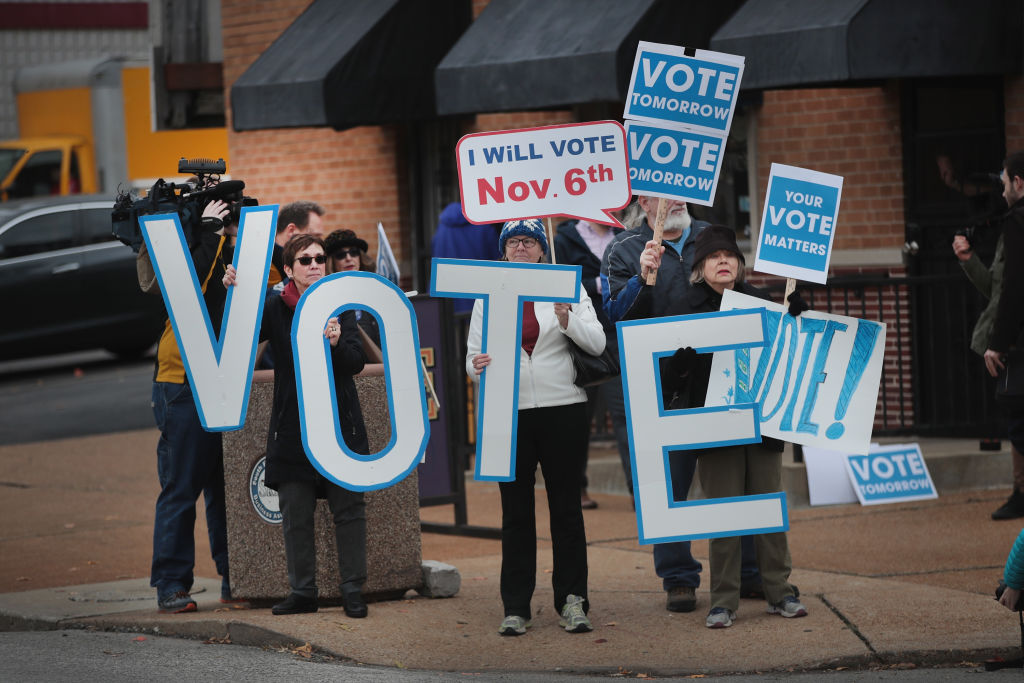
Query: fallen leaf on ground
point(612, 623)
point(139, 639)
point(23, 578)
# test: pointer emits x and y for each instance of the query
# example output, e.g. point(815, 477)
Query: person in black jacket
point(1008, 323)
point(289, 471)
point(727, 471)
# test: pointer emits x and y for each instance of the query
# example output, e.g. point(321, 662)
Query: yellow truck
point(88, 126)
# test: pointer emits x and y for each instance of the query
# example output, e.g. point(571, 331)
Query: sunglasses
point(345, 253)
point(306, 260)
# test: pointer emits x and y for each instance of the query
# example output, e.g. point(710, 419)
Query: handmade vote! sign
point(798, 223)
point(891, 474)
point(577, 170)
point(816, 379)
point(696, 90)
point(674, 163)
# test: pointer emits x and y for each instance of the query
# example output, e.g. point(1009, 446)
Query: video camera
point(187, 200)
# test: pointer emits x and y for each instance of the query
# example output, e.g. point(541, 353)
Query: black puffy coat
point(286, 456)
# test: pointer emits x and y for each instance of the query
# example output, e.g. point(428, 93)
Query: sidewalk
point(884, 585)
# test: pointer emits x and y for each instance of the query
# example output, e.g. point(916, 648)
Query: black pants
point(557, 438)
point(298, 504)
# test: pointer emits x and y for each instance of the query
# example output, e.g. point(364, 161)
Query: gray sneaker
point(573, 618)
point(513, 626)
point(719, 617)
point(788, 607)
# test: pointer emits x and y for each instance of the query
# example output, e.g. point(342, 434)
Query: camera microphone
point(218, 191)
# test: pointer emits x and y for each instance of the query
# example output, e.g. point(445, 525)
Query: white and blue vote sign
point(654, 432)
point(815, 380)
point(674, 163)
point(219, 363)
point(891, 474)
point(798, 223)
point(698, 90)
point(503, 287)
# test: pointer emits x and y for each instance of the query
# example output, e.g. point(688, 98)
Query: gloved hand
point(796, 304)
point(682, 361)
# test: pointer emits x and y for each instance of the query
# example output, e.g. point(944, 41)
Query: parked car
point(66, 284)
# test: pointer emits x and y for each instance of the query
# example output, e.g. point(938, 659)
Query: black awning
point(806, 42)
point(536, 54)
point(345, 63)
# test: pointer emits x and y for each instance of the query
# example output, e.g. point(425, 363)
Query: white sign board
point(654, 432)
point(816, 379)
point(578, 170)
point(798, 223)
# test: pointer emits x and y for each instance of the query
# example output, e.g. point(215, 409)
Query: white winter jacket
point(546, 377)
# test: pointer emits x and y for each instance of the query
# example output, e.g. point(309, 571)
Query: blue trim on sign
point(383, 453)
point(216, 343)
point(435, 292)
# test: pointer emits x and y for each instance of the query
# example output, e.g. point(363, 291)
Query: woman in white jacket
point(552, 431)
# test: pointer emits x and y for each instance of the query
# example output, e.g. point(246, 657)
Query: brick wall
point(851, 132)
point(356, 175)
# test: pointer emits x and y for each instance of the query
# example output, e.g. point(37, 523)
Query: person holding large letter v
point(551, 431)
point(289, 471)
point(725, 471)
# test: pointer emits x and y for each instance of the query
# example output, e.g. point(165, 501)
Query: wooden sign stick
point(790, 288)
point(659, 228)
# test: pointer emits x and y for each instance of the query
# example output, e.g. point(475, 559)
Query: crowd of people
point(694, 263)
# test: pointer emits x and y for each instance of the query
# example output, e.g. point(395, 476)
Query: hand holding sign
point(577, 170)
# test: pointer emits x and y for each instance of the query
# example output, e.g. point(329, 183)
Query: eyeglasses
point(514, 242)
point(345, 253)
point(306, 260)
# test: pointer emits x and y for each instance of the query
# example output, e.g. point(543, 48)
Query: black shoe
point(355, 606)
point(1012, 508)
point(681, 599)
point(752, 590)
point(295, 604)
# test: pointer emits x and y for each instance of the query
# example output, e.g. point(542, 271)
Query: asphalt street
point(72, 395)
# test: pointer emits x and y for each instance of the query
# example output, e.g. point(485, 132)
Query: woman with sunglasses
point(289, 471)
point(551, 431)
point(346, 252)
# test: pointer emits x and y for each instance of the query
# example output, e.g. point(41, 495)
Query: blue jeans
point(674, 562)
point(189, 462)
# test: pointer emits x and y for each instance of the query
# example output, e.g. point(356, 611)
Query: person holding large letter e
point(727, 471)
point(551, 431)
point(289, 471)
point(621, 270)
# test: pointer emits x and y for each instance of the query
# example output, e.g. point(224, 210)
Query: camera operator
point(1000, 323)
point(189, 458)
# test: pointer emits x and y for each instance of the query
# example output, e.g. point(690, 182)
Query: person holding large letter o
point(552, 431)
point(726, 471)
point(289, 471)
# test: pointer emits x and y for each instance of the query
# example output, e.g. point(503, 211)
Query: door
point(953, 149)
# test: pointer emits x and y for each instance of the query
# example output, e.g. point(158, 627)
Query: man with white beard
point(622, 282)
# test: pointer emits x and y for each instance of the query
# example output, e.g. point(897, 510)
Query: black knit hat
point(339, 239)
point(715, 238)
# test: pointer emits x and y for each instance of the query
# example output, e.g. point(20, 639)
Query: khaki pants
point(739, 471)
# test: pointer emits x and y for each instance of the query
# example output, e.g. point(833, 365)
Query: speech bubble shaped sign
point(578, 170)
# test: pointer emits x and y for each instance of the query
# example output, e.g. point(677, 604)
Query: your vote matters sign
point(798, 223)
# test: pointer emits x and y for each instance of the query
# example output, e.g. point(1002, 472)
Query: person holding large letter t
point(727, 471)
point(552, 431)
point(289, 472)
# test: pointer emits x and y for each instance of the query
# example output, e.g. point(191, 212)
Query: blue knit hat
point(531, 227)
